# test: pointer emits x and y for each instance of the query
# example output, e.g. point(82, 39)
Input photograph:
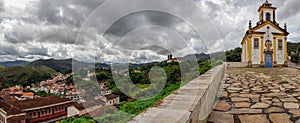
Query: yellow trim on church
point(285, 50)
point(249, 49)
point(262, 47)
point(274, 51)
point(245, 53)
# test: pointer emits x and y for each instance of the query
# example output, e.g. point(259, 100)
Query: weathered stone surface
point(275, 91)
point(242, 105)
point(267, 101)
point(232, 91)
point(249, 95)
point(291, 105)
point(291, 99)
point(253, 118)
point(235, 88)
point(260, 105)
point(295, 112)
point(280, 118)
point(220, 117)
point(225, 94)
point(274, 110)
point(273, 95)
point(255, 99)
point(288, 86)
point(245, 111)
point(237, 99)
point(277, 104)
point(275, 100)
point(234, 95)
point(223, 106)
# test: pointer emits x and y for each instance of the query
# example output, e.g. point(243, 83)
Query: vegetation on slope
point(57, 65)
point(18, 75)
point(128, 109)
point(3, 83)
point(294, 47)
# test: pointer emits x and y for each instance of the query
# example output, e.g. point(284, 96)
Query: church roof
point(252, 30)
point(273, 24)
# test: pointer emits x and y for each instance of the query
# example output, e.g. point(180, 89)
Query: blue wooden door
point(268, 61)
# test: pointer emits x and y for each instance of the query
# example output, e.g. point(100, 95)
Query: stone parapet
point(191, 103)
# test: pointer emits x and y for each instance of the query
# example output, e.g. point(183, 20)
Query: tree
point(102, 76)
point(234, 55)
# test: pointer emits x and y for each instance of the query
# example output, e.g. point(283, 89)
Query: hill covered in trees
point(24, 75)
point(57, 65)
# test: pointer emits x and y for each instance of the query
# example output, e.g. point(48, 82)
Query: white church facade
point(265, 45)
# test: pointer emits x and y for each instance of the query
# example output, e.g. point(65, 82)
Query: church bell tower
point(267, 13)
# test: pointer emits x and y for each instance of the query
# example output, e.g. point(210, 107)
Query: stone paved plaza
point(259, 95)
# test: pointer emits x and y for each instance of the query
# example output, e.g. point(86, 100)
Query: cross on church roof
point(267, 4)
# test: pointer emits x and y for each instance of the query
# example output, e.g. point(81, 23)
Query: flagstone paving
point(259, 95)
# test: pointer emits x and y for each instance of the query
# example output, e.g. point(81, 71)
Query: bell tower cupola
point(267, 12)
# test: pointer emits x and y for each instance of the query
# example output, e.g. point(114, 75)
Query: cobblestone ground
point(259, 95)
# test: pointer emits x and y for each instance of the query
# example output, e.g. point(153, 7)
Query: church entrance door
point(268, 60)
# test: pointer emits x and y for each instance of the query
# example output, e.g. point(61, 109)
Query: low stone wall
point(192, 103)
point(237, 64)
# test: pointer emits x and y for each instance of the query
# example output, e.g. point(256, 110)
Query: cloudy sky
point(129, 30)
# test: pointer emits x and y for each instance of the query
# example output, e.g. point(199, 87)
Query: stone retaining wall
point(192, 103)
point(237, 64)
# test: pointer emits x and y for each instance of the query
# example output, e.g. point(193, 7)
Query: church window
point(268, 16)
point(256, 43)
point(280, 44)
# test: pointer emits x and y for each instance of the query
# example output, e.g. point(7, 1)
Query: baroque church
point(265, 45)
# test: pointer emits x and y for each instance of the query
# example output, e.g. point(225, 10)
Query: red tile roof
point(111, 96)
point(19, 106)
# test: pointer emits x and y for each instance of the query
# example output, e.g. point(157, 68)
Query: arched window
point(268, 16)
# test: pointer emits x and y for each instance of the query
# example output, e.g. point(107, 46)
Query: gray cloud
point(66, 12)
point(48, 29)
point(290, 8)
point(1, 5)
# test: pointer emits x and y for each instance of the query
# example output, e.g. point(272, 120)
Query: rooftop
point(19, 106)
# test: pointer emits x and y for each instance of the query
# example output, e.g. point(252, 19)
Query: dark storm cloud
point(49, 21)
point(1, 6)
point(290, 8)
point(147, 18)
point(58, 21)
point(49, 28)
point(67, 12)
point(157, 49)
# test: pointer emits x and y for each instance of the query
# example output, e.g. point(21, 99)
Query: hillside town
point(19, 103)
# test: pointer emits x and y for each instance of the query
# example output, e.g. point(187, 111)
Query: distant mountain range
point(14, 63)
point(66, 65)
point(25, 73)
point(57, 65)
